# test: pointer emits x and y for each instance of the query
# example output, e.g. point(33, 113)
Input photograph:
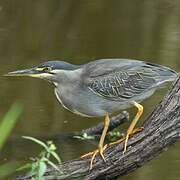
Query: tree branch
point(161, 129)
point(114, 123)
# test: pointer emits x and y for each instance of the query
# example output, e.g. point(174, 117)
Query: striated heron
point(102, 87)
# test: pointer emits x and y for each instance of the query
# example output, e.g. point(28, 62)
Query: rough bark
point(161, 129)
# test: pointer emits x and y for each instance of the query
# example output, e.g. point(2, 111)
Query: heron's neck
point(68, 77)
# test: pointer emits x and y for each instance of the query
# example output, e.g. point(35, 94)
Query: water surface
point(81, 31)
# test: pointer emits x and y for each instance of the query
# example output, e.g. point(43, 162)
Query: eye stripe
point(48, 69)
point(39, 69)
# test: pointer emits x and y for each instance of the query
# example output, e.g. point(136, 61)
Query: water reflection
point(80, 31)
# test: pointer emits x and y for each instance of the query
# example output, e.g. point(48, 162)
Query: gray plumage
point(109, 85)
point(103, 86)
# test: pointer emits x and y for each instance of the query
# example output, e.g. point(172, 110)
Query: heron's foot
point(100, 150)
point(126, 138)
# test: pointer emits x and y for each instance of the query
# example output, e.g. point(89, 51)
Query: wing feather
point(121, 85)
point(123, 79)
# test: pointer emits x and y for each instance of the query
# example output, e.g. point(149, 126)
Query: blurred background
point(80, 31)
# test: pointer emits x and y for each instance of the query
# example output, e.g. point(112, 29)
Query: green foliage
point(84, 136)
point(8, 122)
point(114, 135)
point(39, 165)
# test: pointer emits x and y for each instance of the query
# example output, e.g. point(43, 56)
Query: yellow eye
point(44, 69)
point(47, 69)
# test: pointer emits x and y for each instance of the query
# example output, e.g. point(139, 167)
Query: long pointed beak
point(26, 72)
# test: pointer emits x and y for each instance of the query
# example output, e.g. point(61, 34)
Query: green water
point(81, 31)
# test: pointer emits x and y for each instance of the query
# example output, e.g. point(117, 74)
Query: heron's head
point(50, 70)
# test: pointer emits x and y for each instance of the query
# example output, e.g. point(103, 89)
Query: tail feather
point(165, 74)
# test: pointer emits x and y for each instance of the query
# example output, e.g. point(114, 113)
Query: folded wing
point(124, 79)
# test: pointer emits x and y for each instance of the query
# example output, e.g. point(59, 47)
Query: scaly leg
point(131, 131)
point(133, 124)
point(101, 146)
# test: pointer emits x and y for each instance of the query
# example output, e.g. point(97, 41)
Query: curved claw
point(101, 147)
point(100, 150)
point(88, 154)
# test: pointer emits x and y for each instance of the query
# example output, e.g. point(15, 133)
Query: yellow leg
point(131, 131)
point(101, 146)
point(133, 124)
